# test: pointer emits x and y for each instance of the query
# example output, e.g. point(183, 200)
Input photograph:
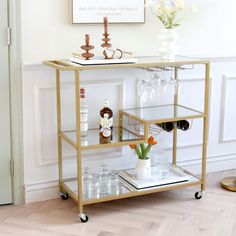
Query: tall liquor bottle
point(106, 110)
point(105, 132)
point(83, 114)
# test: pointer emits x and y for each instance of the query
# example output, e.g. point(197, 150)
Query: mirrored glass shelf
point(122, 189)
point(161, 114)
point(120, 137)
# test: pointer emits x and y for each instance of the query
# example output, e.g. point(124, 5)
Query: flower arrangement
point(142, 150)
point(170, 12)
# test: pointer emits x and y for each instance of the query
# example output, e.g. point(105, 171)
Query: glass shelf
point(123, 190)
point(148, 61)
point(92, 141)
point(161, 114)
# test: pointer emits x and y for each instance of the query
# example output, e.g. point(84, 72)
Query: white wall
point(47, 33)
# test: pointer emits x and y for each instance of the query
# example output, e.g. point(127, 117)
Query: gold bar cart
point(123, 136)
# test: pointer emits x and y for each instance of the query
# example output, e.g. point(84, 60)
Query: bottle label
point(83, 117)
point(106, 133)
point(83, 127)
point(108, 122)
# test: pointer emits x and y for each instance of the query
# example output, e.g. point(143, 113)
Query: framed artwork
point(117, 11)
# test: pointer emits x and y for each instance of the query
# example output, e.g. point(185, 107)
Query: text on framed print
point(117, 11)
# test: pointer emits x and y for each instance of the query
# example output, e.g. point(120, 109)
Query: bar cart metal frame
point(145, 62)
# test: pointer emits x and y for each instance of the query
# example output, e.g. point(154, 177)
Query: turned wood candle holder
point(87, 55)
point(106, 39)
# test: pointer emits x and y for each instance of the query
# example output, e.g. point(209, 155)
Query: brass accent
point(59, 140)
point(142, 62)
point(79, 156)
point(63, 65)
point(139, 193)
point(176, 99)
point(229, 183)
point(205, 125)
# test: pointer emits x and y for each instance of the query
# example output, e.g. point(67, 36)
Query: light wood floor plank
point(172, 213)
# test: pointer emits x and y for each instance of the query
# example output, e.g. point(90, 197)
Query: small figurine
point(87, 55)
point(106, 40)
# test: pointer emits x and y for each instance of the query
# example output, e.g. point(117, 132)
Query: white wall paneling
point(228, 113)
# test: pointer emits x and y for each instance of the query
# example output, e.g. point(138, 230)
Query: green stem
point(146, 151)
point(142, 146)
point(138, 152)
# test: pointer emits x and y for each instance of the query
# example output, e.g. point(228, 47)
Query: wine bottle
point(83, 114)
point(106, 110)
point(183, 125)
point(167, 126)
point(105, 131)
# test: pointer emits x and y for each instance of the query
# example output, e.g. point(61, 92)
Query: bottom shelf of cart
point(125, 190)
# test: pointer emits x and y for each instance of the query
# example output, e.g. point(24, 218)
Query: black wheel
point(198, 195)
point(64, 195)
point(84, 218)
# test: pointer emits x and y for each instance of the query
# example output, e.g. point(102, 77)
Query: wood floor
point(173, 213)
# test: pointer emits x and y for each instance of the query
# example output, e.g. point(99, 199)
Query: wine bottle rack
point(122, 135)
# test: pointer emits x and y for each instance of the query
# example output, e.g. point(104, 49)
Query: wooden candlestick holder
point(106, 39)
point(87, 55)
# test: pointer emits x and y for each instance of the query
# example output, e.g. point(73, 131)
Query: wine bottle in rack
point(105, 132)
point(83, 114)
point(106, 110)
point(183, 125)
point(167, 126)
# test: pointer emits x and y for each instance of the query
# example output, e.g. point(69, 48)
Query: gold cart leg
point(176, 97)
point(205, 127)
point(145, 133)
point(59, 139)
point(120, 130)
point(79, 157)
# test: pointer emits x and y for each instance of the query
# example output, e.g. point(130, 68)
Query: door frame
point(15, 74)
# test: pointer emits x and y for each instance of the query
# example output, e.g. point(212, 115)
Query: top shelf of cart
point(142, 62)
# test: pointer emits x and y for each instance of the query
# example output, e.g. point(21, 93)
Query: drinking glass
point(104, 179)
point(94, 190)
point(86, 176)
point(114, 182)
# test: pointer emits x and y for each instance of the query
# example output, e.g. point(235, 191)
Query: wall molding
point(38, 126)
point(225, 81)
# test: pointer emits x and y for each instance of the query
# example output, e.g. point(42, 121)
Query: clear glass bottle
point(83, 114)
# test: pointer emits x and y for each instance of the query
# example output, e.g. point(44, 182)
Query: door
point(5, 145)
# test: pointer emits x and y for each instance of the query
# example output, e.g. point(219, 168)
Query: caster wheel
point(198, 195)
point(64, 195)
point(84, 218)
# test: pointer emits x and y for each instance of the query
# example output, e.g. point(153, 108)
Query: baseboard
point(41, 191)
point(46, 190)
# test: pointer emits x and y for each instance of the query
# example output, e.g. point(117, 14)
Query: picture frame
point(117, 11)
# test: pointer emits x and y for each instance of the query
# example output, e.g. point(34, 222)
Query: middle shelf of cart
point(126, 133)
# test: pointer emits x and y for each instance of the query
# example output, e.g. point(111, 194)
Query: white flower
point(179, 4)
point(170, 12)
point(194, 8)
